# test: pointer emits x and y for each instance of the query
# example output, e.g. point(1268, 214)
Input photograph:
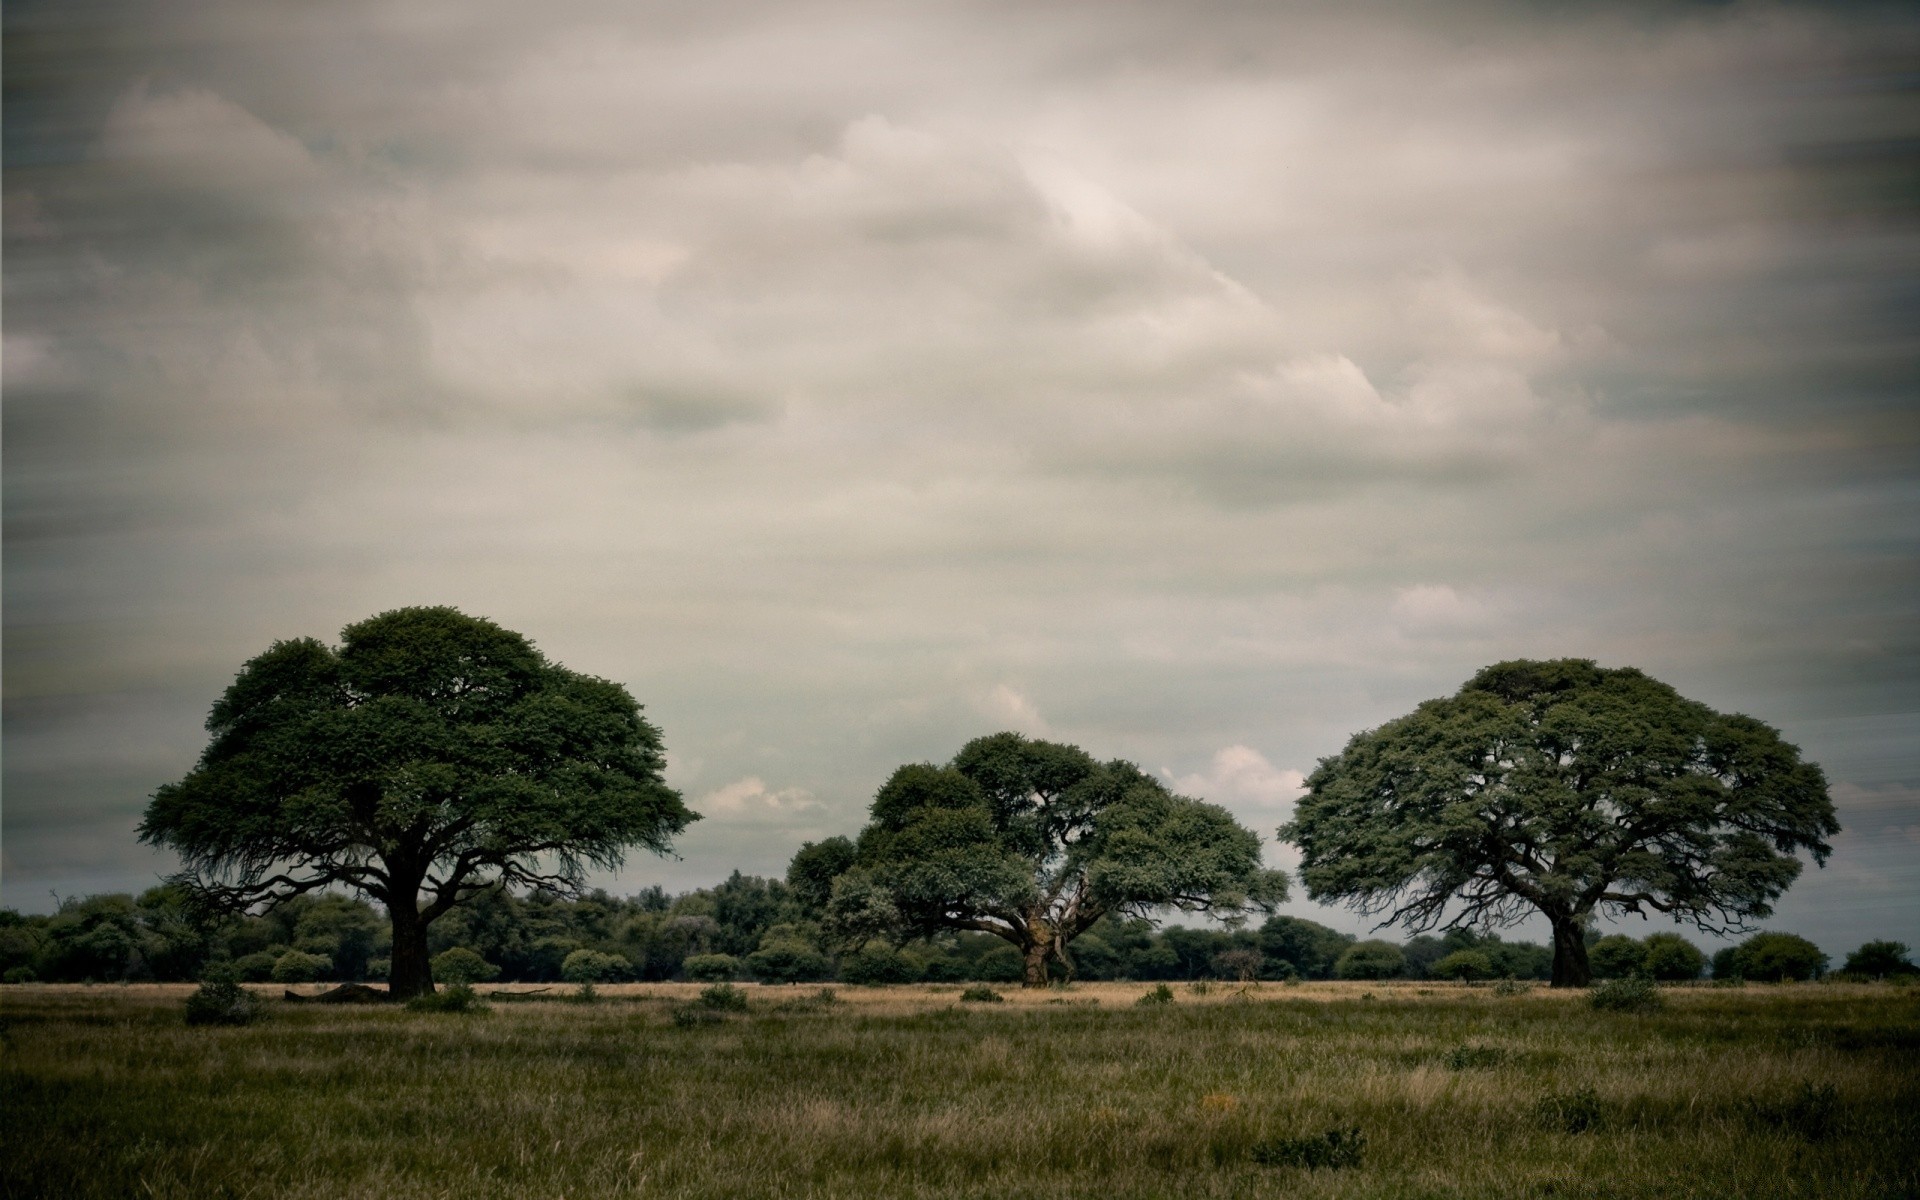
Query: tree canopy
point(1035, 842)
point(1566, 789)
point(431, 757)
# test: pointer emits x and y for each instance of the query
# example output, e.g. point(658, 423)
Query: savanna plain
point(1319, 1090)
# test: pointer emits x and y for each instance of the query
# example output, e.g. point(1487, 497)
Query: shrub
point(723, 997)
point(379, 969)
point(1511, 987)
point(1616, 956)
point(461, 965)
point(1469, 1058)
point(1161, 994)
point(1775, 958)
point(1331, 1150)
point(222, 1002)
point(1626, 995)
point(980, 993)
point(788, 961)
point(454, 998)
point(21, 974)
point(584, 994)
point(1671, 958)
point(1880, 960)
point(1372, 959)
point(711, 968)
point(297, 966)
point(1463, 965)
point(999, 964)
point(687, 1016)
point(877, 965)
point(1568, 1112)
point(256, 967)
point(592, 966)
point(1810, 1112)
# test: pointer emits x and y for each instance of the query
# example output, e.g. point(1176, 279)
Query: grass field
point(1810, 1090)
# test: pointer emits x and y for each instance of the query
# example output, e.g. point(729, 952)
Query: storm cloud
point(1198, 383)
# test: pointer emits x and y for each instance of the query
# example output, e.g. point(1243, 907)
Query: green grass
point(1761, 1092)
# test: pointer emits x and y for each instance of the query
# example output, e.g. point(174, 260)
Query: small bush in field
point(585, 994)
point(1331, 1150)
point(711, 968)
point(980, 993)
point(723, 997)
point(1469, 1058)
point(454, 998)
point(20, 975)
point(1161, 994)
point(222, 1002)
point(1511, 987)
point(461, 965)
point(297, 966)
point(689, 1016)
point(1810, 1112)
point(1568, 1112)
point(1626, 995)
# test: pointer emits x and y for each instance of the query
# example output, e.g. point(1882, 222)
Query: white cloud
point(1241, 778)
point(751, 801)
point(1012, 710)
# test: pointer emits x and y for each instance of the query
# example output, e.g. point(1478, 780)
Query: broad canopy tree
point(429, 758)
point(1566, 789)
point(1034, 842)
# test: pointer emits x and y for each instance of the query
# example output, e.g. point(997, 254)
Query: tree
point(1616, 956)
point(1372, 959)
point(1671, 958)
point(1035, 842)
point(1567, 789)
point(431, 757)
point(1467, 965)
point(1773, 958)
point(1880, 960)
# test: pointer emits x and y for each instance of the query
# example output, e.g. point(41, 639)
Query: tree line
point(752, 928)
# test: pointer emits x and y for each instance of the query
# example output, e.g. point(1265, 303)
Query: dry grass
point(907, 1092)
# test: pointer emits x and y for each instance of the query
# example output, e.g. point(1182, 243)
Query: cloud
point(750, 801)
point(1242, 778)
point(1012, 710)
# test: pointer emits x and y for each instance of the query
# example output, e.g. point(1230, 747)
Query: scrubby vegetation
point(667, 1090)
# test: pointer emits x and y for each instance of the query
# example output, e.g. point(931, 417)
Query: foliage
point(1635, 994)
point(1160, 994)
point(1880, 960)
point(876, 965)
point(1372, 959)
point(297, 966)
point(1511, 987)
point(723, 997)
point(1567, 789)
point(814, 867)
point(1471, 1057)
point(1463, 964)
point(461, 965)
point(222, 1002)
point(1616, 956)
point(591, 966)
point(1569, 1112)
point(788, 954)
point(1036, 842)
point(980, 993)
point(1772, 958)
point(711, 968)
point(431, 757)
point(1331, 1150)
point(256, 967)
point(1811, 1111)
point(454, 998)
point(1671, 958)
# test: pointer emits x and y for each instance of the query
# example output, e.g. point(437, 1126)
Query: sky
point(1197, 383)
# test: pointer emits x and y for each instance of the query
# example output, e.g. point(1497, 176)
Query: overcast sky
point(1199, 383)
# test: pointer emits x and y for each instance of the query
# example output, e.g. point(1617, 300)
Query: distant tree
point(1464, 965)
point(461, 965)
point(297, 966)
point(593, 966)
point(1616, 956)
point(1671, 958)
point(712, 968)
point(1035, 842)
point(814, 867)
point(432, 757)
point(1241, 963)
point(1565, 789)
point(788, 955)
point(1775, 958)
point(1881, 960)
point(1374, 959)
point(877, 964)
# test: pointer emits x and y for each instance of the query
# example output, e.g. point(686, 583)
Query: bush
point(1511, 987)
point(1373, 959)
point(256, 967)
point(1810, 1112)
point(455, 998)
point(592, 966)
point(877, 965)
point(1626, 995)
point(711, 968)
point(1776, 958)
point(980, 993)
point(222, 1002)
point(1880, 960)
point(461, 965)
point(788, 961)
point(1161, 994)
point(1469, 1058)
point(379, 969)
point(688, 1016)
point(723, 997)
point(297, 966)
point(1332, 1150)
point(1463, 965)
point(1568, 1112)
point(1616, 956)
point(1672, 958)
point(999, 964)
point(19, 975)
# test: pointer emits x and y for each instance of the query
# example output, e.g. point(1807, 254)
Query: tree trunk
point(1037, 954)
point(1570, 968)
point(412, 973)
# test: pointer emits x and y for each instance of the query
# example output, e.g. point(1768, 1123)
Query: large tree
point(430, 757)
point(1035, 842)
point(1566, 789)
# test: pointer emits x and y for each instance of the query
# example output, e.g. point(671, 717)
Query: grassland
point(1810, 1090)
